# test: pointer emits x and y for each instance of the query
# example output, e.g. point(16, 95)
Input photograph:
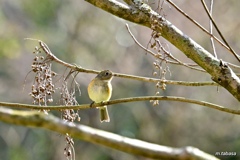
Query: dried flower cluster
point(69, 115)
point(43, 87)
point(69, 151)
point(68, 98)
point(43, 90)
point(160, 64)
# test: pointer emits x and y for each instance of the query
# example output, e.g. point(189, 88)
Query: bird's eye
point(107, 73)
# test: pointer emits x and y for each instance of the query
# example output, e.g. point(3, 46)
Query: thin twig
point(219, 32)
point(158, 56)
point(124, 100)
point(147, 79)
point(211, 29)
point(197, 24)
point(233, 65)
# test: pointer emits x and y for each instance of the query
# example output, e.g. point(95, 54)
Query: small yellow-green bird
point(99, 90)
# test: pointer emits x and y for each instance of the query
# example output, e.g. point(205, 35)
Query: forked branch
point(144, 15)
point(77, 68)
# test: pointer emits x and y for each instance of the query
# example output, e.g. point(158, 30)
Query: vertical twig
point(219, 32)
point(211, 29)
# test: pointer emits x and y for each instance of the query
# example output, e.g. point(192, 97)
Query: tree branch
point(176, 61)
point(218, 30)
point(123, 100)
point(133, 146)
point(144, 15)
point(205, 30)
point(52, 57)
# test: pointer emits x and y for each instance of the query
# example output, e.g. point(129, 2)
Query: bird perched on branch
point(99, 90)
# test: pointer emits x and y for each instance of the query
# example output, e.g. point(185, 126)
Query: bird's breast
point(99, 92)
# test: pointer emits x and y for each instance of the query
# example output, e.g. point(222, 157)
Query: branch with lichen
point(142, 14)
point(129, 145)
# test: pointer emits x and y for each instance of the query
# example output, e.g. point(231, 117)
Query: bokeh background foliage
point(79, 33)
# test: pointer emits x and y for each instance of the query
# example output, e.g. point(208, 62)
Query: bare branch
point(144, 15)
point(219, 32)
point(201, 27)
point(124, 100)
point(211, 30)
point(145, 79)
point(129, 145)
point(159, 57)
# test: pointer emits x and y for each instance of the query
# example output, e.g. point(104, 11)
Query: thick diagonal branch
point(144, 15)
point(133, 146)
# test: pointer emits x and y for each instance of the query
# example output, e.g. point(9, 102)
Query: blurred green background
point(80, 33)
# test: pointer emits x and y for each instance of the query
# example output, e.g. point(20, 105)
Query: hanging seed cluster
point(160, 63)
point(43, 90)
point(43, 87)
point(68, 98)
point(69, 151)
point(69, 115)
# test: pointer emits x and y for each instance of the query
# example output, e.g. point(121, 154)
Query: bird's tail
point(104, 117)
